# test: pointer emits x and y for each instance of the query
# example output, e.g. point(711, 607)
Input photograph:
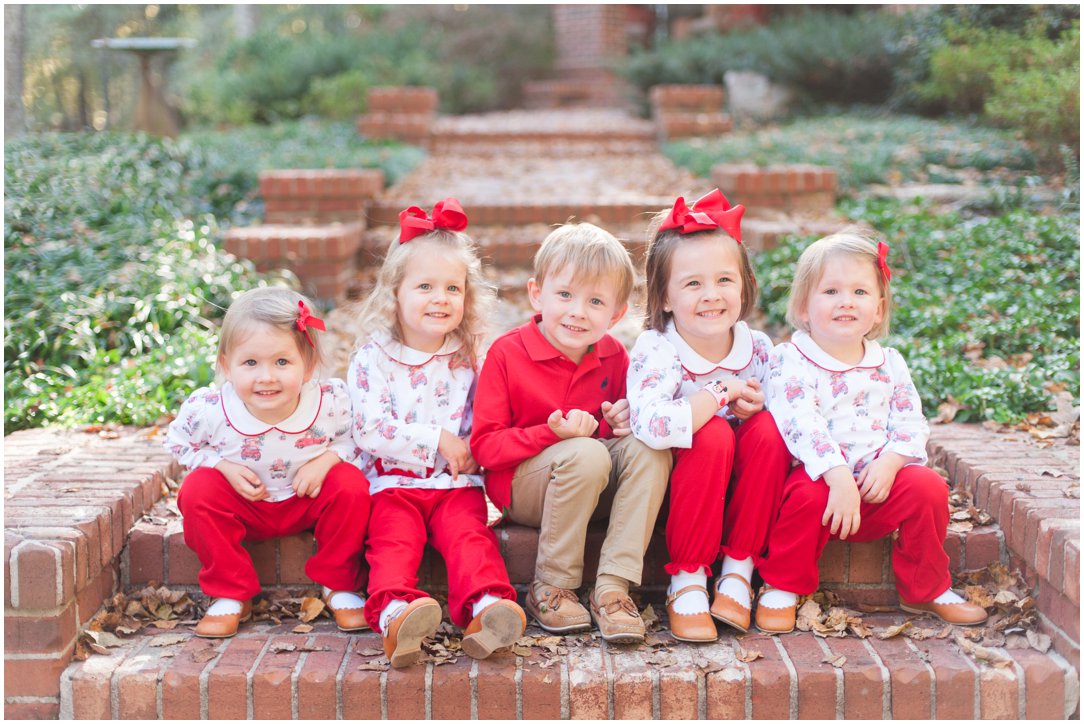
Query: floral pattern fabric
point(831, 413)
point(214, 425)
point(664, 371)
point(402, 399)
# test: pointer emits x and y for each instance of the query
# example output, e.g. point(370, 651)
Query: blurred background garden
point(115, 273)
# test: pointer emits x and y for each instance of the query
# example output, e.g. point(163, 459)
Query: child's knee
point(582, 460)
point(715, 434)
point(200, 486)
point(650, 467)
point(346, 480)
point(926, 485)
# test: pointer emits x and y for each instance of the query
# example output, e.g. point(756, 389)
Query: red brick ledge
point(1027, 491)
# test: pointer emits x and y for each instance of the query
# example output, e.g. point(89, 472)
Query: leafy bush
point(987, 310)
point(868, 148)
point(113, 281)
point(341, 97)
point(823, 56)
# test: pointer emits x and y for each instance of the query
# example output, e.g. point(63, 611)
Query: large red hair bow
point(447, 214)
point(306, 320)
point(711, 211)
point(882, 261)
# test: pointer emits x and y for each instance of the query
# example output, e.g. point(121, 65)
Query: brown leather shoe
point(692, 627)
point(557, 610)
point(964, 613)
point(726, 609)
point(617, 618)
point(347, 619)
point(404, 635)
point(225, 625)
point(774, 620)
point(500, 624)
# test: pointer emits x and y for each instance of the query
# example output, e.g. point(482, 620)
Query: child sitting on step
point(850, 414)
point(412, 383)
point(270, 454)
point(695, 390)
point(551, 427)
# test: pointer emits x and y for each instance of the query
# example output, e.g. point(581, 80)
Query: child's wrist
point(719, 390)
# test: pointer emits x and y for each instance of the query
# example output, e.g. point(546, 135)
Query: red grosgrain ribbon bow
point(447, 214)
point(711, 211)
point(306, 320)
point(882, 260)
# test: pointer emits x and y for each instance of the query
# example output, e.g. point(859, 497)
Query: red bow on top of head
point(447, 214)
point(882, 261)
point(711, 211)
point(306, 320)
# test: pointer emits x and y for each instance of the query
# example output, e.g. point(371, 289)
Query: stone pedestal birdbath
point(153, 114)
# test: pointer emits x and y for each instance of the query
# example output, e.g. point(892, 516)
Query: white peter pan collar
point(240, 419)
point(741, 352)
point(408, 355)
point(872, 359)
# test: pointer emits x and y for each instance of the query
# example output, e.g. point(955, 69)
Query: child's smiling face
point(843, 306)
point(576, 313)
point(267, 371)
point(431, 297)
point(704, 293)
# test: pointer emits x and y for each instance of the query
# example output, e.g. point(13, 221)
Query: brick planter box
point(306, 196)
point(788, 188)
point(323, 256)
point(681, 110)
point(399, 112)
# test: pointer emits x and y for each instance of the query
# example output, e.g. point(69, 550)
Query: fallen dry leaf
point(168, 640)
point(523, 651)
point(1038, 641)
point(808, 615)
point(204, 655)
point(893, 631)
point(302, 628)
point(837, 661)
point(748, 656)
point(369, 652)
point(992, 656)
point(311, 607)
point(374, 666)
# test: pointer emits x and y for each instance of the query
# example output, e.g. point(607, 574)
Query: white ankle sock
point(482, 603)
point(224, 607)
point(693, 601)
point(391, 611)
point(949, 596)
point(774, 598)
point(344, 599)
point(732, 587)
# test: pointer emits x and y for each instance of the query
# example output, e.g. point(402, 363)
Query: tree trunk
point(245, 19)
point(14, 35)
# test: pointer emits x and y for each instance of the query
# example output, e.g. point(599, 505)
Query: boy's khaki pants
point(581, 479)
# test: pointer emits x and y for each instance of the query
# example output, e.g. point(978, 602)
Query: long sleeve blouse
point(664, 370)
point(831, 413)
point(402, 399)
point(214, 425)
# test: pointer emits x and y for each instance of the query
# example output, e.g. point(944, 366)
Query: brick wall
point(783, 187)
point(400, 112)
point(319, 196)
point(683, 110)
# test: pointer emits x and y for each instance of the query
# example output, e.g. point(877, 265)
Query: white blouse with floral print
point(664, 370)
point(402, 399)
point(831, 413)
point(214, 425)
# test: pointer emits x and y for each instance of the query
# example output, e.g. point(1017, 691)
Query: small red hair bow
point(882, 261)
point(447, 214)
point(711, 211)
point(306, 320)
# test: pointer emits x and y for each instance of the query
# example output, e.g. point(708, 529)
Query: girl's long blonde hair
point(852, 241)
point(380, 311)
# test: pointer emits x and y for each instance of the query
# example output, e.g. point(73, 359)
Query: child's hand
point(750, 402)
point(576, 424)
point(876, 479)
point(309, 478)
point(244, 482)
point(844, 503)
point(617, 415)
point(456, 451)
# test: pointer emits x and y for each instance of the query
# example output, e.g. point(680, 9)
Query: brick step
point(267, 672)
point(859, 573)
point(547, 211)
point(513, 145)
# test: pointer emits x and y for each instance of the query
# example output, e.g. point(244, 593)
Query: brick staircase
point(88, 514)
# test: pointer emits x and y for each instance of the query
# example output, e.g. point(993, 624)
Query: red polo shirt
point(524, 379)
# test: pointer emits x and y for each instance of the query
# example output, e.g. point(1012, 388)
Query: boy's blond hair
point(852, 241)
point(273, 306)
point(593, 253)
point(380, 311)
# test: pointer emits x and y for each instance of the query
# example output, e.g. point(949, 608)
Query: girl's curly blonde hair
point(380, 311)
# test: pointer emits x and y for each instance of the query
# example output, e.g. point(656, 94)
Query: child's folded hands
point(576, 423)
point(617, 415)
point(457, 452)
point(750, 401)
point(245, 482)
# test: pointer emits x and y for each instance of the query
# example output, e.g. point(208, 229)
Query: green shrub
point(987, 310)
point(823, 56)
point(340, 97)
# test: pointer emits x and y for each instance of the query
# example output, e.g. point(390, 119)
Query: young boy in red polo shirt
point(551, 428)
